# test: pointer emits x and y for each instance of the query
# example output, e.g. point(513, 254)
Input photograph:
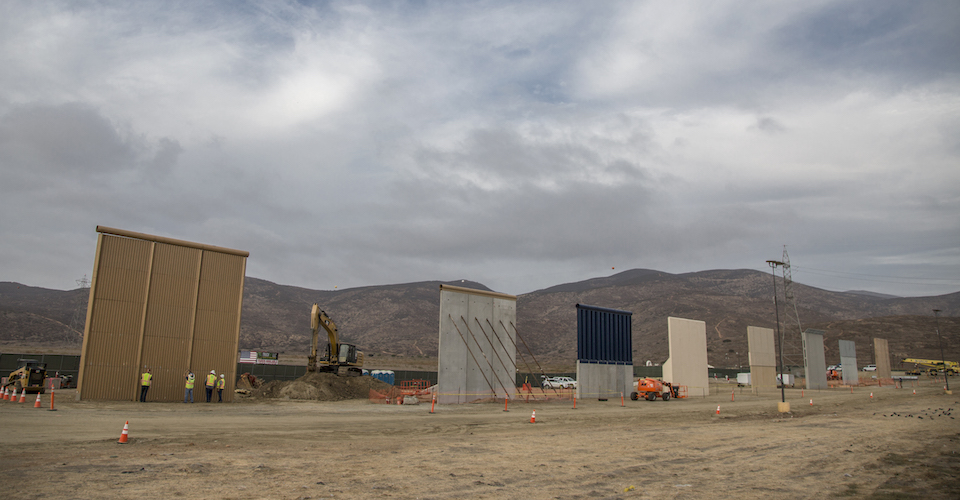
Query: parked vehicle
point(559, 383)
point(870, 368)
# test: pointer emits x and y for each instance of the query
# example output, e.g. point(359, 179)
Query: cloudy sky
point(518, 144)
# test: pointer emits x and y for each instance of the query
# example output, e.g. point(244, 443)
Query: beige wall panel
point(762, 357)
point(881, 357)
point(169, 321)
point(166, 358)
point(110, 350)
point(218, 316)
point(688, 355)
point(164, 304)
point(767, 375)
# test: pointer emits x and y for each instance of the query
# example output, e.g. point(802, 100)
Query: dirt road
point(896, 445)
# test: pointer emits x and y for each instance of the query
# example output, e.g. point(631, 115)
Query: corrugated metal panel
point(165, 304)
point(110, 344)
point(604, 335)
point(169, 321)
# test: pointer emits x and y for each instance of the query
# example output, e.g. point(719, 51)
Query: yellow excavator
point(933, 366)
point(342, 359)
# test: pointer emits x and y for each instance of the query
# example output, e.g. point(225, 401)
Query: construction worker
point(145, 385)
point(220, 385)
point(211, 383)
point(188, 388)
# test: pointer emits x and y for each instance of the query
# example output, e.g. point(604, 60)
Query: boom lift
point(933, 366)
point(651, 389)
point(339, 358)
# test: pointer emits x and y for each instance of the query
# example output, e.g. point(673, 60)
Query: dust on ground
point(846, 444)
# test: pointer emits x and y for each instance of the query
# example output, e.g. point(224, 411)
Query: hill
point(399, 322)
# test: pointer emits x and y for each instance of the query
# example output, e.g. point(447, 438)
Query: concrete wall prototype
point(762, 358)
point(161, 303)
point(814, 361)
point(604, 381)
point(848, 360)
point(881, 356)
point(687, 364)
point(478, 349)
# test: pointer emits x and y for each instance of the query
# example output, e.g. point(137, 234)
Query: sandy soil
point(895, 445)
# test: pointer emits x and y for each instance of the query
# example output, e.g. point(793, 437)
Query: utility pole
point(936, 316)
point(773, 272)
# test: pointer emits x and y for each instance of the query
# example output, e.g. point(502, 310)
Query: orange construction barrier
point(123, 434)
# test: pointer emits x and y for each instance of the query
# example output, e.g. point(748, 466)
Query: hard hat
point(221, 375)
point(213, 372)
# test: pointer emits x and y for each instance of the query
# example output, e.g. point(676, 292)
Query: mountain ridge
point(399, 321)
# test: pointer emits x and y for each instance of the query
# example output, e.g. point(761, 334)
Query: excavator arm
point(319, 318)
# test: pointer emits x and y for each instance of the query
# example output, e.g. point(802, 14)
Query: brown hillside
point(400, 321)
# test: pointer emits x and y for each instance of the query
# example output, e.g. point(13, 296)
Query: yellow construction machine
point(339, 358)
point(30, 375)
point(933, 366)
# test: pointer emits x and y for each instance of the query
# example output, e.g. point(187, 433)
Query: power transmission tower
point(78, 322)
point(793, 349)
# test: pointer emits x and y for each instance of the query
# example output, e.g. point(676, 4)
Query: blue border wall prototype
point(604, 336)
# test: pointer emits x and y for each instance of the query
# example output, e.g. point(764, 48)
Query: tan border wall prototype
point(762, 358)
point(161, 303)
point(881, 358)
point(687, 364)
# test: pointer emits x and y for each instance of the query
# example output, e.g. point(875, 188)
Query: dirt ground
point(895, 445)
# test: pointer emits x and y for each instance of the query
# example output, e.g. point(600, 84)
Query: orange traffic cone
point(718, 409)
point(23, 397)
point(13, 398)
point(6, 394)
point(37, 404)
point(533, 417)
point(123, 434)
point(811, 402)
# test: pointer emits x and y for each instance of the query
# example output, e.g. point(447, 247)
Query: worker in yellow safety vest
point(188, 388)
point(220, 385)
point(145, 378)
point(211, 383)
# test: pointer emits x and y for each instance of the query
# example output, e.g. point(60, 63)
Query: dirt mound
point(321, 387)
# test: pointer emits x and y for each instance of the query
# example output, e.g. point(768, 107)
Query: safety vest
point(145, 379)
point(221, 383)
point(190, 381)
point(211, 380)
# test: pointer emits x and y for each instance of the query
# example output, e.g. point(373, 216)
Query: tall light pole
point(776, 306)
point(936, 316)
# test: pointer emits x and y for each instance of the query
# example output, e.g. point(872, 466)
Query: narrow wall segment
point(687, 364)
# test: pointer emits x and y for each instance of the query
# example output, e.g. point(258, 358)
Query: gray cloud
point(519, 145)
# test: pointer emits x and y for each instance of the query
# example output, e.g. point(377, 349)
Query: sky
point(517, 144)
